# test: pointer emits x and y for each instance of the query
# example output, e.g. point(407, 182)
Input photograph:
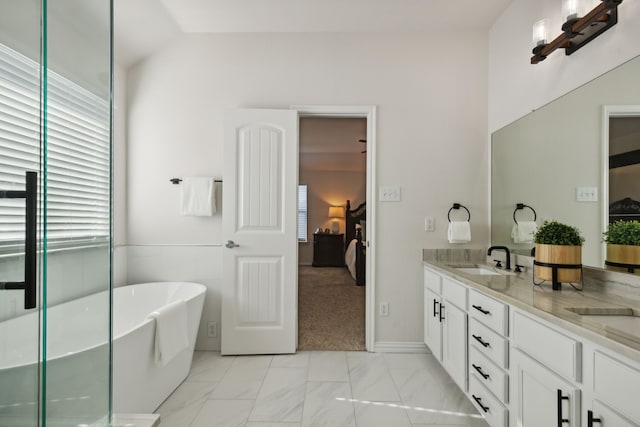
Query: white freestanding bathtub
point(78, 356)
point(140, 385)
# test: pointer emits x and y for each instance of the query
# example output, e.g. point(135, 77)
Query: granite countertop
point(619, 330)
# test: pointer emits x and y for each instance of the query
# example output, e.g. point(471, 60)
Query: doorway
point(336, 146)
point(621, 168)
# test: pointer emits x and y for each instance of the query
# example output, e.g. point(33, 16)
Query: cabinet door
point(603, 416)
point(454, 343)
point(432, 325)
point(542, 398)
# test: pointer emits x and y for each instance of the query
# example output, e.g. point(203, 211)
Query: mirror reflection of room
point(545, 157)
point(624, 169)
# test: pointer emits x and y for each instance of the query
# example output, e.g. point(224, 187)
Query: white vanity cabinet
point(545, 370)
point(612, 396)
point(541, 397)
point(445, 324)
point(454, 330)
point(521, 369)
point(432, 319)
point(489, 357)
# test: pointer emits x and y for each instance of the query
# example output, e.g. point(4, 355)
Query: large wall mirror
point(545, 157)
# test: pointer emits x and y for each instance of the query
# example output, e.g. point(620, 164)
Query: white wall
point(430, 91)
point(516, 87)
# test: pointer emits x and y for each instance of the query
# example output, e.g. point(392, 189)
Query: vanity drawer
point(491, 409)
point(492, 313)
point(618, 384)
point(454, 292)
point(491, 344)
point(432, 281)
point(552, 349)
point(486, 372)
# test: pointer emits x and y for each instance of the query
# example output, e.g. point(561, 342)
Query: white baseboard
point(400, 347)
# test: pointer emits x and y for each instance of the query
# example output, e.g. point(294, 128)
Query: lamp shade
point(335, 212)
point(540, 32)
point(572, 9)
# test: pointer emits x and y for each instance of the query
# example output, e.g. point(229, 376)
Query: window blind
point(77, 153)
point(302, 213)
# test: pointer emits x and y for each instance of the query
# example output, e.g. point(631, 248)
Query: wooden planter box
point(623, 254)
point(558, 254)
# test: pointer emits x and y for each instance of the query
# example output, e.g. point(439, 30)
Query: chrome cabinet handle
point(231, 244)
point(30, 241)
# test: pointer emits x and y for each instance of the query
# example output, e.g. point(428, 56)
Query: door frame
point(609, 111)
point(367, 112)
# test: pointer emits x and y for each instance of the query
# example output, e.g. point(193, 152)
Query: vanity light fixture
point(577, 30)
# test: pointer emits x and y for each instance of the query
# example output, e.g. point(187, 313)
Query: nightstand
point(328, 250)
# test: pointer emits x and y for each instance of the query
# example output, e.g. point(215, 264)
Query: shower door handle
point(30, 242)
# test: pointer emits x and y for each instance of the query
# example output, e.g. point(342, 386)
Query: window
point(302, 213)
point(77, 155)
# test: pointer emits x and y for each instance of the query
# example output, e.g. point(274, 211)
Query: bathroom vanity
point(528, 356)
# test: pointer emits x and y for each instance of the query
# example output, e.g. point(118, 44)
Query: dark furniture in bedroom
point(353, 219)
point(328, 250)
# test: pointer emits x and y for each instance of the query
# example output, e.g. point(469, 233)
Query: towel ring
point(458, 206)
point(520, 206)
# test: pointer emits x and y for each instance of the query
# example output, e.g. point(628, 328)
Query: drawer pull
point(479, 402)
point(479, 369)
point(441, 312)
point(479, 339)
point(435, 310)
point(561, 420)
point(480, 309)
point(591, 420)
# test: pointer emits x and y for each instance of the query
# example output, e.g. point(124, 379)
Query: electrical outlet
point(429, 224)
point(212, 329)
point(384, 309)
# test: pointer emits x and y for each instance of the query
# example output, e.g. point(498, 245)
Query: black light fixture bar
point(580, 31)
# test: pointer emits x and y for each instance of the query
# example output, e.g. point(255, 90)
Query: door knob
point(231, 244)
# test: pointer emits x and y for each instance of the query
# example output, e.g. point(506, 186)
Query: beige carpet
point(330, 310)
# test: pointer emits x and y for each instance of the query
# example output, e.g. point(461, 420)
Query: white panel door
point(259, 216)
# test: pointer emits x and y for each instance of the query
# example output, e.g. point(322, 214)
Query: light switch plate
point(586, 194)
point(429, 223)
point(390, 194)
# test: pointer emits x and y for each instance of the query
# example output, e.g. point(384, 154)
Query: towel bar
point(458, 206)
point(520, 206)
point(179, 180)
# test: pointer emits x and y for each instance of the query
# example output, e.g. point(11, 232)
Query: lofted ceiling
point(144, 26)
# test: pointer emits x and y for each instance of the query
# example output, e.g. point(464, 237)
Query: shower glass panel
point(77, 230)
point(20, 152)
point(55, 119)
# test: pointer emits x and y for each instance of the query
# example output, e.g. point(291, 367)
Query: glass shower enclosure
point(55, 212)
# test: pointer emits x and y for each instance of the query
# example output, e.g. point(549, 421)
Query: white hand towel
point(171, 331)
point(459, 232)
point(198, 196)
point(526, 230)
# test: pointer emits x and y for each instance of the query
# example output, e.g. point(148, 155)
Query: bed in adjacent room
point(355, 250)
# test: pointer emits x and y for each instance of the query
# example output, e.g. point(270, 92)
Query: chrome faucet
point(506, 250)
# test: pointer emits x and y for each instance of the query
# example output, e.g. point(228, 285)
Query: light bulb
point(572, 9)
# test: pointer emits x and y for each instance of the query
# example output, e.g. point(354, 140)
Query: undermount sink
point(477, 269)
point(603, 311)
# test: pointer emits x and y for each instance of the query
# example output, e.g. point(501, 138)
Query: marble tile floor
point(317, 389)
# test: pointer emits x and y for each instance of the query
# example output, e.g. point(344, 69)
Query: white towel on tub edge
point(170, 331)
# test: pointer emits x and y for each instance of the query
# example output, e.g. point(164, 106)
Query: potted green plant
point(558, 244)
point(623, 245)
